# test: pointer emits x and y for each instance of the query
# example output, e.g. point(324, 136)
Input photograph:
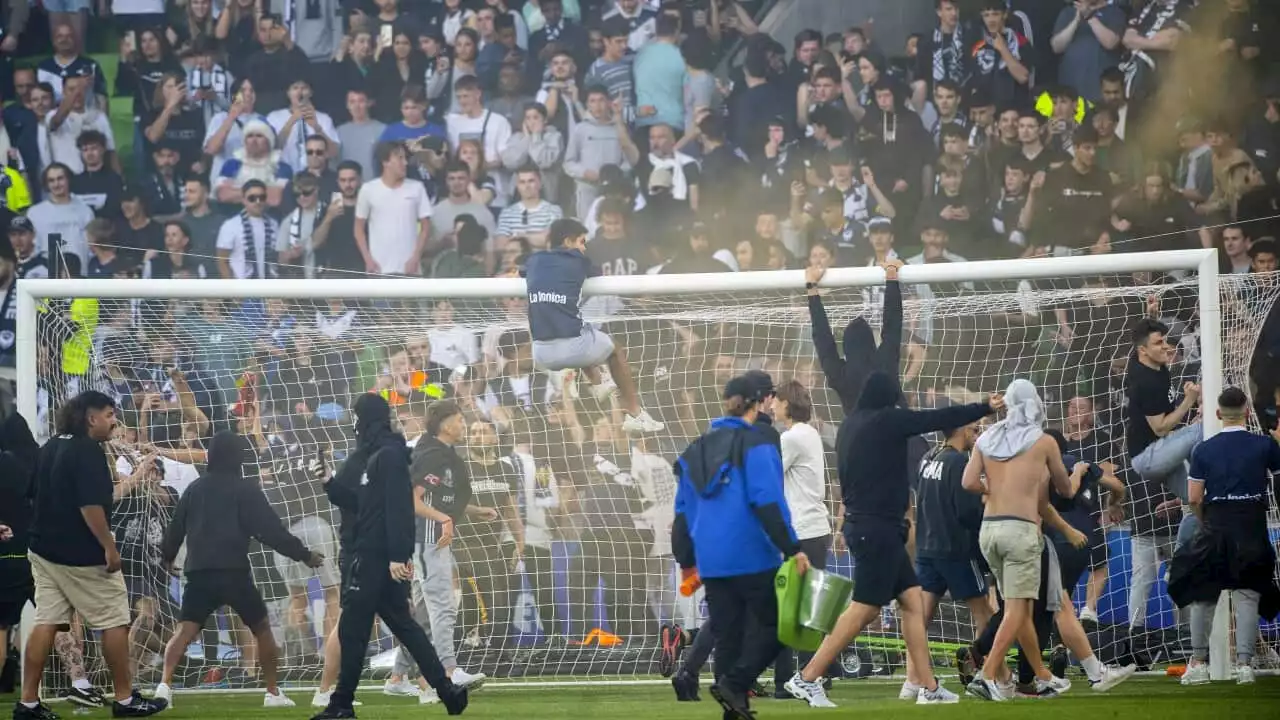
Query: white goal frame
point(1204, 262)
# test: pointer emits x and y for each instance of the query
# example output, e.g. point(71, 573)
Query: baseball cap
point(752, 386)
point(21, 223)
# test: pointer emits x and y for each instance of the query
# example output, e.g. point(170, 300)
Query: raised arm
point(889, 354)
point(824, 342)
point(919, 422)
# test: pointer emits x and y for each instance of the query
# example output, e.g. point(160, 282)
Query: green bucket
point(824, 597)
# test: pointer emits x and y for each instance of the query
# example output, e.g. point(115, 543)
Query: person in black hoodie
point(381, 546)
point(217, 516)
point(18, 455)
point(871, 448)
point(861, 355)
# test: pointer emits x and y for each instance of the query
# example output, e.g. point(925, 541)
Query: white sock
point(1092, 667)
point(82, 684)
point(31, 705)
point(125, 701)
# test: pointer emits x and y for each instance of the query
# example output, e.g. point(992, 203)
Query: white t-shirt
point(231, 237)
point(804, 481)
point(393, 215)
point(293, 147)
point(62, 142)
point(137, 7)
point(454, 346)
point(493, 131)
point(68, 220)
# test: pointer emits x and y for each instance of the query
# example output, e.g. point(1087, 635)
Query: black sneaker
point(965, 666)
point(91, 698)
point(454, 699)
point(686, 687)
point(39, 712)
point(9, 676)
point(334, 713)
point(735, 706)
point(139, 706)
point(1036, 691)
point(757, 690)
point(1059, 661)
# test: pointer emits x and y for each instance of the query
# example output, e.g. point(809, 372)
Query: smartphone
point(130, 41)
point(384, 35)
point(335, 198)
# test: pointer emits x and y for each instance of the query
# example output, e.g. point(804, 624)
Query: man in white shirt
point(61, 214)
point(531, 216)
point(474, 122)
point(299, 121)
point(71, 118)
point(393, 217)
point(247, 242)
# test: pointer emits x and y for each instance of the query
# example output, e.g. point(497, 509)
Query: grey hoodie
point(592, 145)
point(543, 151)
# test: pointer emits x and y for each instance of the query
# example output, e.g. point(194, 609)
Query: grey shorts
point(318, 536)
point(589, 349)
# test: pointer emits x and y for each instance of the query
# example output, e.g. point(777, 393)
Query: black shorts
point(882, 568)
point(1097, 550)
point(11, 613)
point(208, 590)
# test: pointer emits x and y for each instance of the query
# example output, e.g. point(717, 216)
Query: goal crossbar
point(1203, 262)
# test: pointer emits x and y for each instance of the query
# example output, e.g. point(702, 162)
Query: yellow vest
point(17, 197)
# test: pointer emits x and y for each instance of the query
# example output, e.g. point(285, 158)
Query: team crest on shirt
point(432, 480)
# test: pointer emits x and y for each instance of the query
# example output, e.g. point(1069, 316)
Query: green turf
point(1140, 698)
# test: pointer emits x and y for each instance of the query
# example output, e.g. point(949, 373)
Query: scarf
point(553, 31)
point(1020, 429)
point(676, 163)
point(988, 59)
point(167, 198)
point(251, 246)
point(295, 234)
point(216, 80)
point(948, 59)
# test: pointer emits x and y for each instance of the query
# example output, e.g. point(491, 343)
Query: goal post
point(765, 305)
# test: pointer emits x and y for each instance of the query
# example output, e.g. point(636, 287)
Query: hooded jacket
point(222, 510)
point(384, 520)
point(18, 455)
point(871, 448)
point(731, 514)
point(861, 356)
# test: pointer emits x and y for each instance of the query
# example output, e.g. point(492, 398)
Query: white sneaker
point(1196, 674)
point(937, 696)
point(1112, 676)
point(604, 391)
point(1087, 615)
point(909, 691)
point(278, 700)
point(810, 692)
point(320, 699)
point(1059, 685)
point(986, 690)
point(642, 424)
point(464, 679)
point(428, 697)
point(403, 688)
point(163, 692)
point(1244, 675)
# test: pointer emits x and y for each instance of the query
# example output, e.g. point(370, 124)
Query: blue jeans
point(1187, 529)
point(1165, 460)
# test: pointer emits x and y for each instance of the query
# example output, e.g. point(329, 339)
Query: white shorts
point(589, 349)
point(318, 536)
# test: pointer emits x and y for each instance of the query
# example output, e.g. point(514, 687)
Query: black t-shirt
point(492, 486)
point(442, 474)
point(185, 133)
point(100, 190)
point(140, 79)
point(1083, 511)
point(340, 252)
point(138, 522)
point(1150, 393)
point(1074, 200)
point(73, 473)
point(626, 256)
point(134, 242)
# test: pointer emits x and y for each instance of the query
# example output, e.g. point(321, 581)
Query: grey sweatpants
point(434, 606)
point(1245, 603)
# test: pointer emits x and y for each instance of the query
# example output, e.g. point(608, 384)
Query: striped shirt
point(616, 78)
point(518, 219)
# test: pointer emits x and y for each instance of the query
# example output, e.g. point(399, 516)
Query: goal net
point(566, 572)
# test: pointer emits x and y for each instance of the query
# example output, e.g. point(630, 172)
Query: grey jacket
point(543, 151)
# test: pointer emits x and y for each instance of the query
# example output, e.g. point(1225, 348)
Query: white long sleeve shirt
point(804, 481)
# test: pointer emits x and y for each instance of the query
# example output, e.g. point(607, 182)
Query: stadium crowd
point(441, 138)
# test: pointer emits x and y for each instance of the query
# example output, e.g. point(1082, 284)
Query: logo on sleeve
point(432, 480)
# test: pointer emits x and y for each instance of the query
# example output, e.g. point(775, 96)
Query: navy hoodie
point(731, 515)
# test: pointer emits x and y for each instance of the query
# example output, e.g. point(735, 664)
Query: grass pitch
point(1140, 698)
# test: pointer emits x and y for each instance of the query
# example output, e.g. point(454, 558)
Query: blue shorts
point(964, 578)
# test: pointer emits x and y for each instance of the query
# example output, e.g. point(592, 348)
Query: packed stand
point(441, 138)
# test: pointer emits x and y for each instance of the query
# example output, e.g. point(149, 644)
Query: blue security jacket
point(731, 515)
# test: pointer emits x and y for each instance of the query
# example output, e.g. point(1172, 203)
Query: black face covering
point(373, 420)
point(228, 453)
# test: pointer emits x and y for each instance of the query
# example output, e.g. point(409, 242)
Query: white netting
point(594, 508)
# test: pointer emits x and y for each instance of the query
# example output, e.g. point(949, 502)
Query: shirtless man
point(1015, 456)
